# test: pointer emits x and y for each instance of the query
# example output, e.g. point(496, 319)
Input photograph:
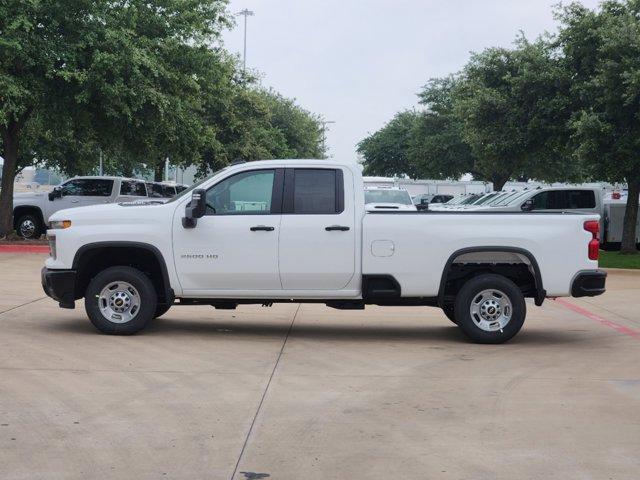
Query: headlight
point(57, 224)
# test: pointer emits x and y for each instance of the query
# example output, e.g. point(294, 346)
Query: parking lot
point(307, 392)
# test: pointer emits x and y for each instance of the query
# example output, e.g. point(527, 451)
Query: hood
point(112, 213)
point(26, 196)
point(376, 207)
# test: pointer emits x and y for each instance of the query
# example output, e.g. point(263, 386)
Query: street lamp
point(324, 135)
point(245, 13)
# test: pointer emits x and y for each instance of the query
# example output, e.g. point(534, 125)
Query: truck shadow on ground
point(232, 328)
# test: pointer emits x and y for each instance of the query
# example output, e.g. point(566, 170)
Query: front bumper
point(60, 285)
point(588, 283)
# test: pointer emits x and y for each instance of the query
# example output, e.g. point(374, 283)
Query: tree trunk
point(498, 182)
point(158, 173)
point(631, 216)
point(10, 154)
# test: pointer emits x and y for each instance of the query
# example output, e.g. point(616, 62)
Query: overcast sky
point(359, 62)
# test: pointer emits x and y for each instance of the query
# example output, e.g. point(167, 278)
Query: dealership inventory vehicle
point(388, 198)
point(464, 199)
point(31, 211)
point(162, 190)
point(297, 231)
point(423, 201)
point(550, 199)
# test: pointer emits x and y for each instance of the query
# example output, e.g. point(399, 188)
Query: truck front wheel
point(29, 226)
point(490, 309)
point(120, 301)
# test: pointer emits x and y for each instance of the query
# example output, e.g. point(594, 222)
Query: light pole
point(245, 13)
point(324, 135)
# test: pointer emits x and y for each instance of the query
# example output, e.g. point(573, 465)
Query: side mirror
point(55, 193)
point(527, 206)
point(196, 208)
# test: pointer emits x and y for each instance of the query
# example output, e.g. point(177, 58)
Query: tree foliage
point(562, 108)
point(388, 151)
point(602, 51)
point(510, 102)
point(439, 150)
point(136, 81)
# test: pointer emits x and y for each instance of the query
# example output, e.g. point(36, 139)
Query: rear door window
point(315, 191)
point(155, 190)
point(133, 189)
point(581, 199)
point(564, 200)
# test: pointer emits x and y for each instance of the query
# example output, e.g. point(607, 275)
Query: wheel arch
point(115, 253)
point(27, 210)
point(540, 293)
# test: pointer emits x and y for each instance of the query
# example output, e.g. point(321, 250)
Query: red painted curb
point(24, 249)
point(607, 323)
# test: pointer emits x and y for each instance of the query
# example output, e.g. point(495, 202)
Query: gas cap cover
point(382, 248)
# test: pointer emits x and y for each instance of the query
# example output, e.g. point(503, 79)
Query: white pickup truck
point(297, 231)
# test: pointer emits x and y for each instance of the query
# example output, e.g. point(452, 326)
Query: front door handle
point(261, 228)
point(338, 228)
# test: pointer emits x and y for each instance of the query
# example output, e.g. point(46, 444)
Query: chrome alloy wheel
point(27, 228)
point(119, 302)
point(491, 310)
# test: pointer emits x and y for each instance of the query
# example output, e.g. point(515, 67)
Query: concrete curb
point(24, 249)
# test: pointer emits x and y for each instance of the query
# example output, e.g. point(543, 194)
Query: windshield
point(456, 200)
point(470, 199)
point(485, 199)
point(387, 196)
point(509, 199)
point(194, 186)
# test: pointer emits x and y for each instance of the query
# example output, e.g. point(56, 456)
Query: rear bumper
point(59, 285)
point(589, 283)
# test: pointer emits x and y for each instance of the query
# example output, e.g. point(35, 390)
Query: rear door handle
point(262, 228)
point(338, 228)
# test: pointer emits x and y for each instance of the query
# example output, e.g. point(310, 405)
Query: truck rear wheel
point(490, 309)
point(120, 301)
point(29, 226)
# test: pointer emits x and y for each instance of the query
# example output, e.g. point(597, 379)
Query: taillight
point(593, 226)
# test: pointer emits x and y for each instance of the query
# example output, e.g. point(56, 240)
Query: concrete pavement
point(307, 392)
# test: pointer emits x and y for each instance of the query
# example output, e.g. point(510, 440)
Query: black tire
point(470, 292)
point(146, 297)
point(161, 309)
point(29, 226)
point(449, 313)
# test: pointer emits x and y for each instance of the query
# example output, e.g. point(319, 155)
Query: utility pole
point(245, 13)
point(324, 135)
point(101, 167)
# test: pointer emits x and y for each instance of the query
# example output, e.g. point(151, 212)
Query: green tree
point(602, 53)
point(388, 151)
point(439, 150)
point(302, 129)
point(252, 123)
point(513, 105)
point(119, 77)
